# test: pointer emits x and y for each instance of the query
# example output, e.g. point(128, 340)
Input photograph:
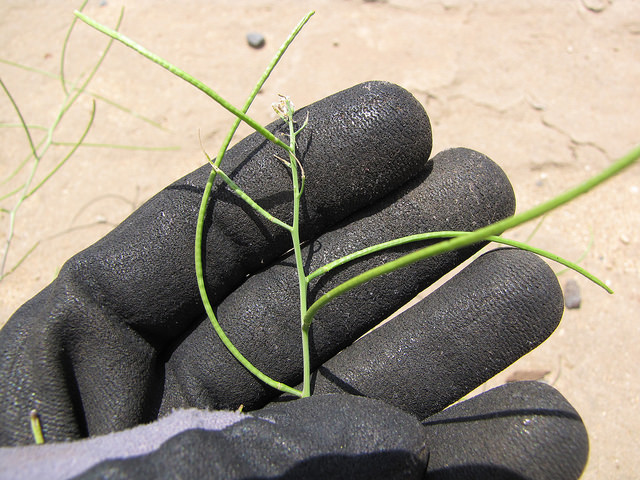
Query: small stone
point(255, 39)
point(625, 239)
point(572, 297)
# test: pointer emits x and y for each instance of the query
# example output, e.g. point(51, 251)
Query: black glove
point(120, 337)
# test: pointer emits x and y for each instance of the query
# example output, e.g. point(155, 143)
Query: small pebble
point(255, 39)
point(572, 297)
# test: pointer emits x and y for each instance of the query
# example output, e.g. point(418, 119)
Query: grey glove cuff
point(334, 436)
point(66, 459)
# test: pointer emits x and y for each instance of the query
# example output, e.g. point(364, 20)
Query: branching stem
point(285, 109)
point(477, 236)
point(303, 283)
point(203, 209)
point(450, 234)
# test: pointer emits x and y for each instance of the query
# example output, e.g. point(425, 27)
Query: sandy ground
point(548, 89)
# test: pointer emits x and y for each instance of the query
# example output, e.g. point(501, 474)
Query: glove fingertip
point(518, 430)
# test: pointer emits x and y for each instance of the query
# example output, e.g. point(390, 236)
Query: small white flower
point(284, 108)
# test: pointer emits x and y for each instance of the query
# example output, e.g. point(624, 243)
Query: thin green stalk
point(28, 69)
point(303, 284)
point(12, 214)
point(274, 61)
point(476, 236)
point(71, 98)
point(26, 193)
point(126, 110)
point(18, 125)
point(209, 309)
point(202, 213)
point(450, 234)
point(89, 92)
point(116, 146)
point(185, 76)
point(78, 91)
point(23, 124)
point(68, 102)
point(3, 275)
point(11, 193)
point(69, 154)
point(46, 143)
point(36, 427)
point(15, 172)
point(64, 46)
point(251, 202)
point(536, 228)
point(582, 256)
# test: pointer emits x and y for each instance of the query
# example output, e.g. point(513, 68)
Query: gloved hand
point(120, 337)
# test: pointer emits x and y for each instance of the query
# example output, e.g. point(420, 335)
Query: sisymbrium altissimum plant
point(451, 240)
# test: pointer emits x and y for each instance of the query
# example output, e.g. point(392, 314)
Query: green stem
point(116, 146)
point(250, 201)
point(28, 68)
point(11, 193)
point(89, 92)
point(25, 188)
point(18, 125)
point(68, 102)
point(582, 256)
point(476, 236)
point(78, 91)
point(22, 124)
point(199, 266)
point(19, 262)
point(185, 76)
point(212, 317)
point(297, 249)
point(450, 234)
point(36, 427)
point(69, 154)
point(64, 47)
point(274, 61)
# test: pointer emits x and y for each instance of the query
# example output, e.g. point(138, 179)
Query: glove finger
point(519, 430)
point(360, 145)
point(84, 352)
point(490, 314)
point(315, 438)
point(463, 190)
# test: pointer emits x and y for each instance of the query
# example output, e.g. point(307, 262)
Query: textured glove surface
point(519, 430)
point(337, 436)
point(88, 352)
point(120, 337)
point(461, 190)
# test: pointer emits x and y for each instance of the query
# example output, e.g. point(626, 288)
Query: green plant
point(452, 239)
point(38, 148)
